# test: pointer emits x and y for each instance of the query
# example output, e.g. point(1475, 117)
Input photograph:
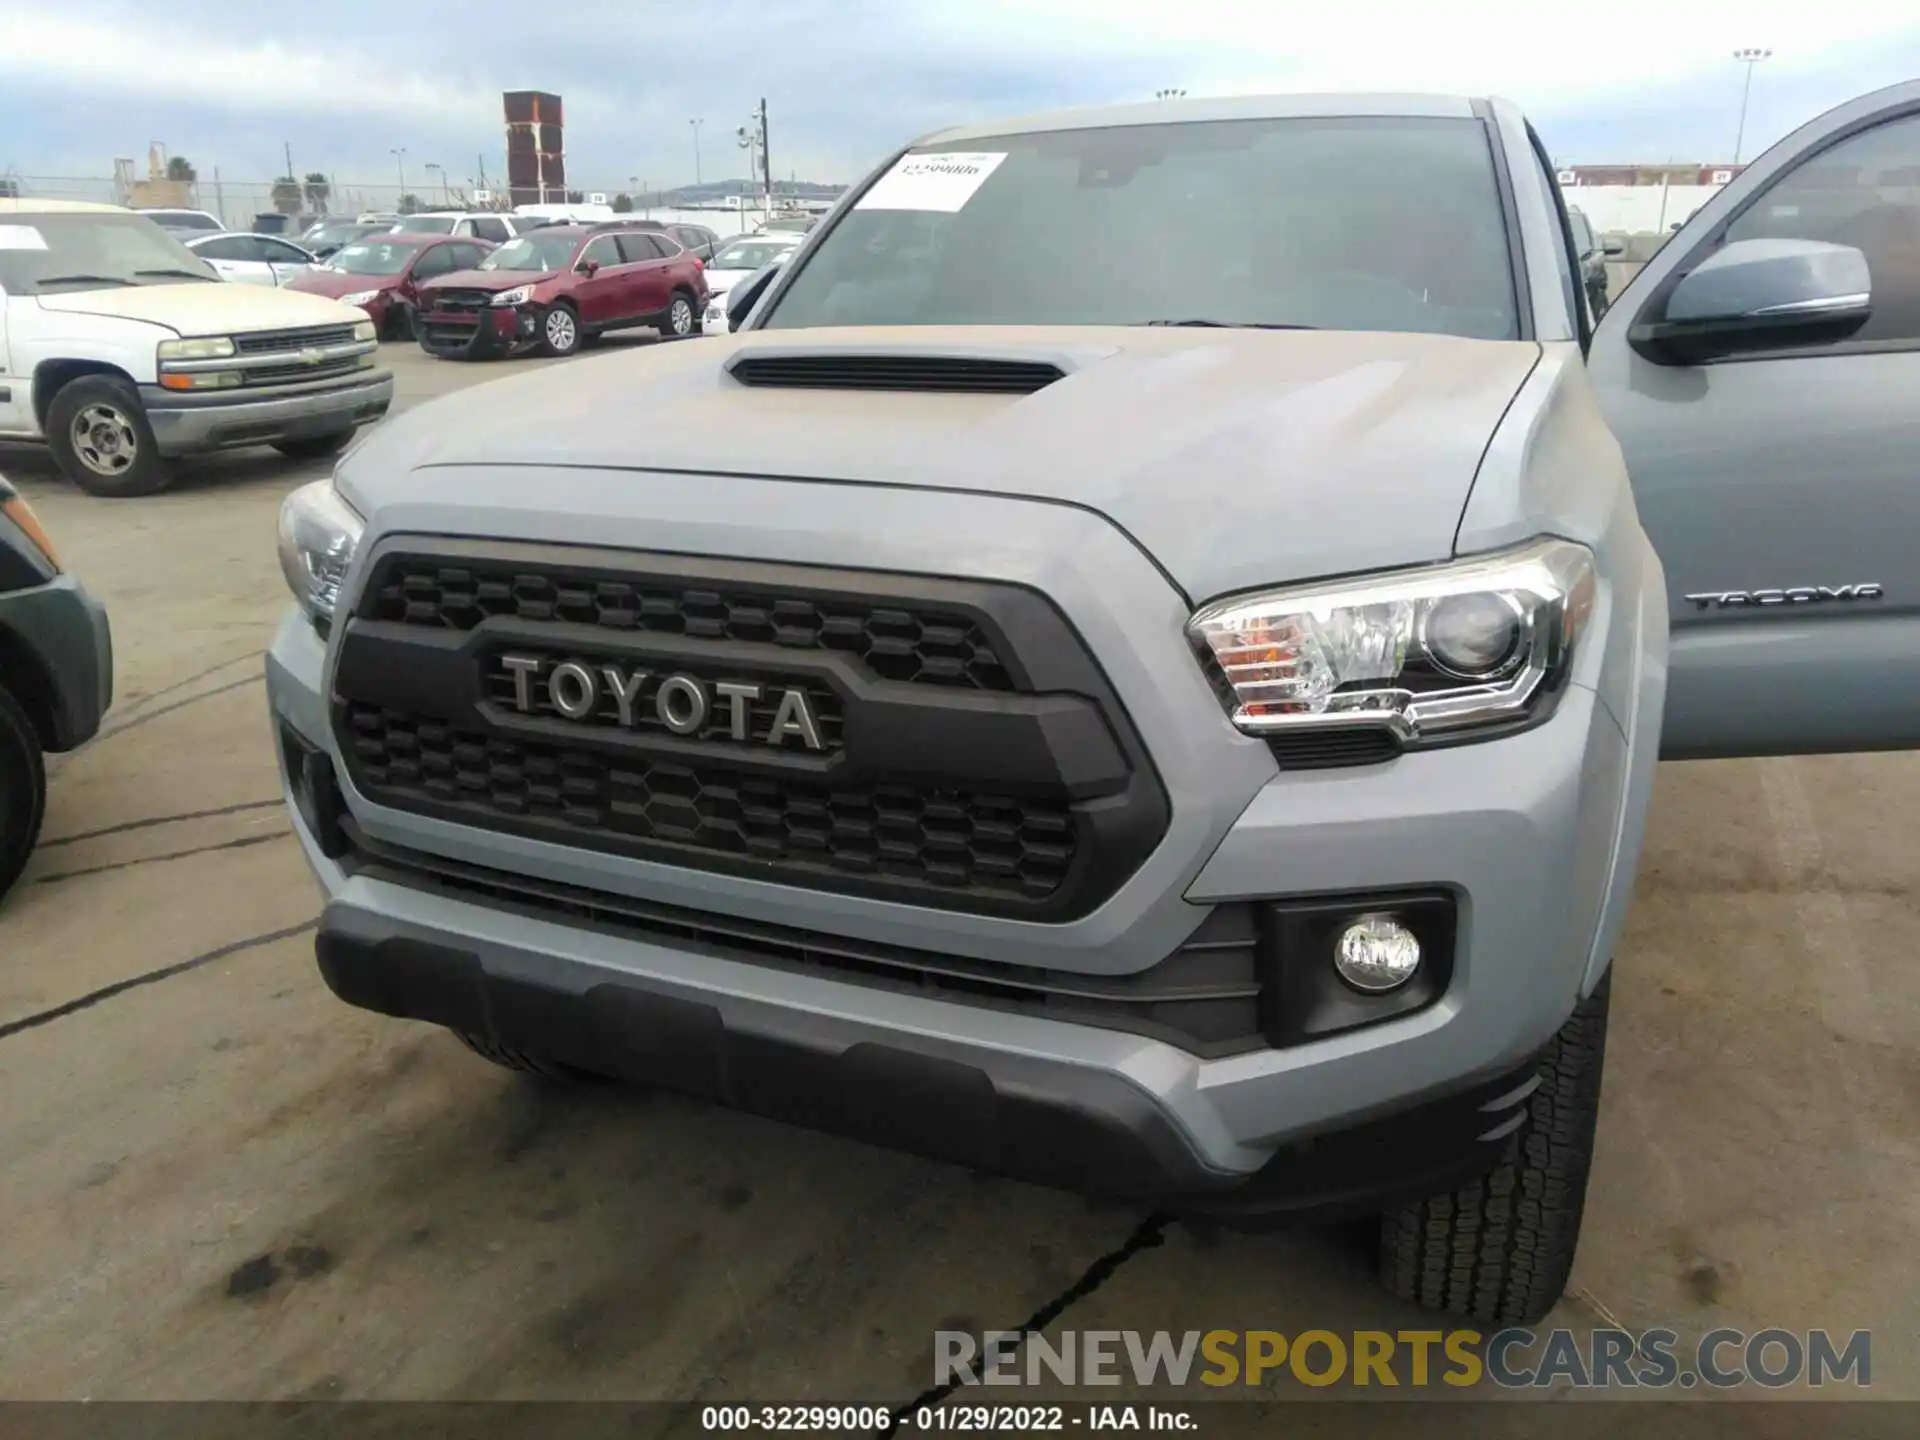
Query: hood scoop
point(827, 368)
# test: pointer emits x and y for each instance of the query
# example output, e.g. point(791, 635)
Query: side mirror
point(1760, 295)
point(1612, 245)
point(744, 296)
point(587, 267)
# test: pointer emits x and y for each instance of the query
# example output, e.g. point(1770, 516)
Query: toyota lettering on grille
point(683, 703)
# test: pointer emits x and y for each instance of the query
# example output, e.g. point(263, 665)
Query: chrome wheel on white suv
point(104, 440)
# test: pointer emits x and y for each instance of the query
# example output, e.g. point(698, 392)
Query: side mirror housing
point(744, 296)
point(1611, 245)
point(587, 267)
point(1759, 295)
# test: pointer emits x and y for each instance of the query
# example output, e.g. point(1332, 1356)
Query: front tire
point(98, 432)
point(560, 331)
point(1500, 1250)
point(314, 447)
point(23, 790)
point(681, 319)
point(400, 324)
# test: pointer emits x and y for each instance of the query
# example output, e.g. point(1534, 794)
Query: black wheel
point(524, 1061)
point(99, 435)
point(681, 319)
point(23, 790)
point(1500, 1249)
point(314, 447)
point(400, 322)
point(559, 330)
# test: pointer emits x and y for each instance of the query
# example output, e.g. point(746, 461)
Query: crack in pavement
point(152, 977)
point(241, 844)
point(1148, 1234)
point(151, 695)
point(141, 719)
point(148, 824)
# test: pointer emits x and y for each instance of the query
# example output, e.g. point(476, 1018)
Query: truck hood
point(213, 308)
point(1236, 458)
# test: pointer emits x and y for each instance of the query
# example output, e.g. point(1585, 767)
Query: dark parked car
point(697, 238)
point(559, 287)
point(1592, 253)
point(382, 275)
point(56, 674)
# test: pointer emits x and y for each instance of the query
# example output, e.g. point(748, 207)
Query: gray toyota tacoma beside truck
point(1172, 722)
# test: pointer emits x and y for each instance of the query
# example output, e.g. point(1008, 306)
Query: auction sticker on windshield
point(931, 182)
point(25, 237)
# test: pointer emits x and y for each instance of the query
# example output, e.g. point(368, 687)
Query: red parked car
point(555, 288)
point(382, 274)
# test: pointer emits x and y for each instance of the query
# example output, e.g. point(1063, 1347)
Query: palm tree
point(286, 195)
point(319, 190)
point(181, 168)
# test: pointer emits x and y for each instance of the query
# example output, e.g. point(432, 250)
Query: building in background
point(536, 154)
point(1642, 199)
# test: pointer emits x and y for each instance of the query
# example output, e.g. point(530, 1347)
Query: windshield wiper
point(83, 280)
point(1229, 324)
point(183, 274)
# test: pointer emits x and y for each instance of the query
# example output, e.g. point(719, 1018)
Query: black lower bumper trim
point(1113, 1141)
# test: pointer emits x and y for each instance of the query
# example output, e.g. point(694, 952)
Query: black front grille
point(458, 301)
point(934, 742)
point(1204, 997)
point(939, 836)
point(274, 342)
point(913, 644)
point(295, 373)
point(964, 374)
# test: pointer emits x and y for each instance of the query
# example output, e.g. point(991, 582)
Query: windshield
point(371, 257)
point(536, 253)
point(85, 250)
point(427, 224)
point(1334, 223)
point(335, 234)
point(751, 254)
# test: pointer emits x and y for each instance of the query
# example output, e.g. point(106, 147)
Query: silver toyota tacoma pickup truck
point(1139, 664)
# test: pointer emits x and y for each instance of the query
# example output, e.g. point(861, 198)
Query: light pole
point(400, 169)
point(1749, 57)
point(446, 195)
point(696, 124)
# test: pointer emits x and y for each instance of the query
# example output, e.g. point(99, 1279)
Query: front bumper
point(483, 335)
point(68, 649)
point(1523, 832)
point(190, 424)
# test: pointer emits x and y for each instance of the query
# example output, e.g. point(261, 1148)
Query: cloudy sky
point(345, 82)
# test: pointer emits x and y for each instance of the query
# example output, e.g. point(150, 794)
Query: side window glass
point(1863, 192)
point(490, 229)
point(1566, 263)
point(282, 254)
point(231, 248)
point(436, 260)
point(603, 251)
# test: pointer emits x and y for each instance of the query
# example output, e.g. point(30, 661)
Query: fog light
point(1376, 953)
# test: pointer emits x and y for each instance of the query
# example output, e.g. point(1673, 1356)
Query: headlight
point(318, 534)
point(358, 297)
point(209, 347)
point(366, 329)
point(519, 295)
point(1482, 644)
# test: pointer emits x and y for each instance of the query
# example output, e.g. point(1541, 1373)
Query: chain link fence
point(240, 204)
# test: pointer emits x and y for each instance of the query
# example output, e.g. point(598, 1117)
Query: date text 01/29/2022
point(996, 1419)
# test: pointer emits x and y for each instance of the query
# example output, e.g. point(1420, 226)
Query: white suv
point(481, 225)
point(123, 350)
